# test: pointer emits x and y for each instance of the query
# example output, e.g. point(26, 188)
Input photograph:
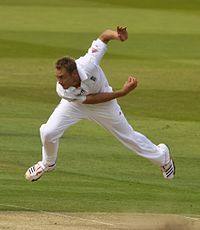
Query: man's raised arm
point(120, 34)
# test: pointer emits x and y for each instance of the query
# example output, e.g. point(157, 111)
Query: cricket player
point(86, 94)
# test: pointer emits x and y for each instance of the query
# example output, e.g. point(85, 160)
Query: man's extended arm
point(129, 85)
point(120, 34)
point(96, 51)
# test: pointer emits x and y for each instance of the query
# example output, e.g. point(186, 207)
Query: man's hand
point(129, 85)
point(122, 33)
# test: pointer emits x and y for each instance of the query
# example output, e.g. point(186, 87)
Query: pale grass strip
point(191, 218)
point(58, 214)
point(80, 218)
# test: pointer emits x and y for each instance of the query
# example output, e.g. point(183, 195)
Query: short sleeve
point(97, 50)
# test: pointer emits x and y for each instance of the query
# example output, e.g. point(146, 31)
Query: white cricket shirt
point(93, 79)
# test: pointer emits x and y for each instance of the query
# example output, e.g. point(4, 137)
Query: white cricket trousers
point(108, 115)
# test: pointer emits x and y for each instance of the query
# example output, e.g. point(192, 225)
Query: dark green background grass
point(95, 173)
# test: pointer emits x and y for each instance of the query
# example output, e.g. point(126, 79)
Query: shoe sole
point(27, 177)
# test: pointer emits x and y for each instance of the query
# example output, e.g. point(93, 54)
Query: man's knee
point(47, 134)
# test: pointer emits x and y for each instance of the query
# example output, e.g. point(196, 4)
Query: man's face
point(64, 78)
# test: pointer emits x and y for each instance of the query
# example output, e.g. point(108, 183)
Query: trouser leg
point(49, 146)
point(112, 118)
point(65, 115)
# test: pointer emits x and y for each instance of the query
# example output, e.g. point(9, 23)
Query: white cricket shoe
point(169, 169)
point(36, 171)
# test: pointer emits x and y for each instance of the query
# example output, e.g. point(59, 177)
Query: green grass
point(95, 173)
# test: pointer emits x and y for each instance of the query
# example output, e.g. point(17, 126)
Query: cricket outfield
point(98, 183)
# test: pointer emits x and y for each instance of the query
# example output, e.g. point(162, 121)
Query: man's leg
point(111, 117)
point(65, 115)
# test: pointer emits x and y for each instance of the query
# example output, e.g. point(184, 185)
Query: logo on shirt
point(93, 78)
point(94, 50)
point(82, 91)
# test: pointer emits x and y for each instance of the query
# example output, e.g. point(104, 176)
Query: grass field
point(95, 173)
